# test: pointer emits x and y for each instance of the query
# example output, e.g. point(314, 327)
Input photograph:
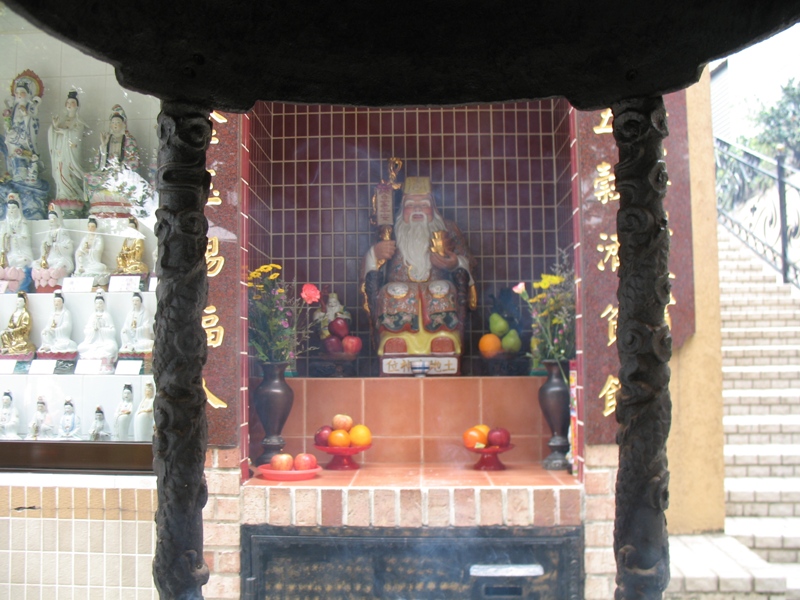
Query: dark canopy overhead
point(227, 55)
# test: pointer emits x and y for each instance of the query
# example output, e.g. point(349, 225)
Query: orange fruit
point(339, 438)
point(360, 435)
point(484, 428)
point(490, 345)
point(474, 437)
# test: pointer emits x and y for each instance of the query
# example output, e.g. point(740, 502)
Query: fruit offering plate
point(267, 472)
point(489, 460)
point(342, 457)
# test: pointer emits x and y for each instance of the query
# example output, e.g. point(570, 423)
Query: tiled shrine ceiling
point(501, 172)
point(420, 52)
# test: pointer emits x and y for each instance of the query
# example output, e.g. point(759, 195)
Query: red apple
point(342, 422)
point(321, 436)
point(332, 345)
point(339, 328)
point(499, 436)
point(304, 462)
point(282, 462)
point(351, 344)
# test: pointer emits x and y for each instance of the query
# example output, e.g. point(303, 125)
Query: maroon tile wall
point(501, 172)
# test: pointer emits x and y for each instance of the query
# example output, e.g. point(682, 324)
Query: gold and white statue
point(15, 340)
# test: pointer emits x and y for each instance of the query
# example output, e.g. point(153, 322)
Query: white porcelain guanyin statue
point(98, 431)
point(100, 336)
point(41, 426)
point(56, 253)
point(115, 183)
point(65, 138)
point(16, 252)
point(57, 334)
point(69, 427)
point(9, 418)
point(122, 416)
point(89, 256)
point(143, 421)
point(137, 332)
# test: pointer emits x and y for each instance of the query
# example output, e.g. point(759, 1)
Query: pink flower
point(310, 293)
point(285, 324)
point(519, 288)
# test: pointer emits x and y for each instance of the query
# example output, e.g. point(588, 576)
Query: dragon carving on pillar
point(645, 346)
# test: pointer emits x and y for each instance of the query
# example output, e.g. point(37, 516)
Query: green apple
point(498, 325)
point(511, 342)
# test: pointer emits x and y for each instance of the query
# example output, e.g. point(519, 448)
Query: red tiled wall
point(501, 172)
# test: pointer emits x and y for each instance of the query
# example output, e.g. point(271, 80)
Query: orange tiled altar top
point(431, 475)
point(414, 495)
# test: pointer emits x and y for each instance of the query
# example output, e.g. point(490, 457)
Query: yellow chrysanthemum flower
point(274, 275)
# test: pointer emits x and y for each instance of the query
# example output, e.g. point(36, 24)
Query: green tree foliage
point(780, 124)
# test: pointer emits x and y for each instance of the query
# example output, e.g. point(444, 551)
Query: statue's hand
point(104, 137)
point(449, 262)
point(385, 250)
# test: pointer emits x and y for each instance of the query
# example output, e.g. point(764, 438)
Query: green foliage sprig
point(552, 310)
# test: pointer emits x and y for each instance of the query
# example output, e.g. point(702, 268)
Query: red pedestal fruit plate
point(342, 457)
point(489, 460)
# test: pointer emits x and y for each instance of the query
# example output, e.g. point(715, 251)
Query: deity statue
point(56, 253)
point(122, 416)
point(16, 254)
point(129, 259)
point(56, 336)
point(9, 418)
point(15, 340)
point(137, 332)
point(16, 236)
point(115, 169)
point(41, 426)
point(65, 137)
point(98, 432)
point(417, 301)
point(117, 146)
point(333, 309)
point(100, 335)
point(21, 121)
point(89, 256)
point(143, 422)
point(69, 427)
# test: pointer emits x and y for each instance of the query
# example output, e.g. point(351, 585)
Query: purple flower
point(288, 313)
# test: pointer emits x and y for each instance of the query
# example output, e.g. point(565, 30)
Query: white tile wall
point(77, 558)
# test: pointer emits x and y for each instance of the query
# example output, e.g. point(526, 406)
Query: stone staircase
point(761, 393)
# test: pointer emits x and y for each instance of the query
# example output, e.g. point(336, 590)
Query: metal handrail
point(744, 177)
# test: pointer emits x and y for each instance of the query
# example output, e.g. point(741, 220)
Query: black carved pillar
point(179, 447)
point(645, 346)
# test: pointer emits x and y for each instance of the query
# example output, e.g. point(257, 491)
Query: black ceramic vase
point(554, 402)
point(273, 400)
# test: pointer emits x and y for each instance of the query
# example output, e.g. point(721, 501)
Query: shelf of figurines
point(97, 385)
point(76, 347)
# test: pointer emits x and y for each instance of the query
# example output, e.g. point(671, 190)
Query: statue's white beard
point(413, 241)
